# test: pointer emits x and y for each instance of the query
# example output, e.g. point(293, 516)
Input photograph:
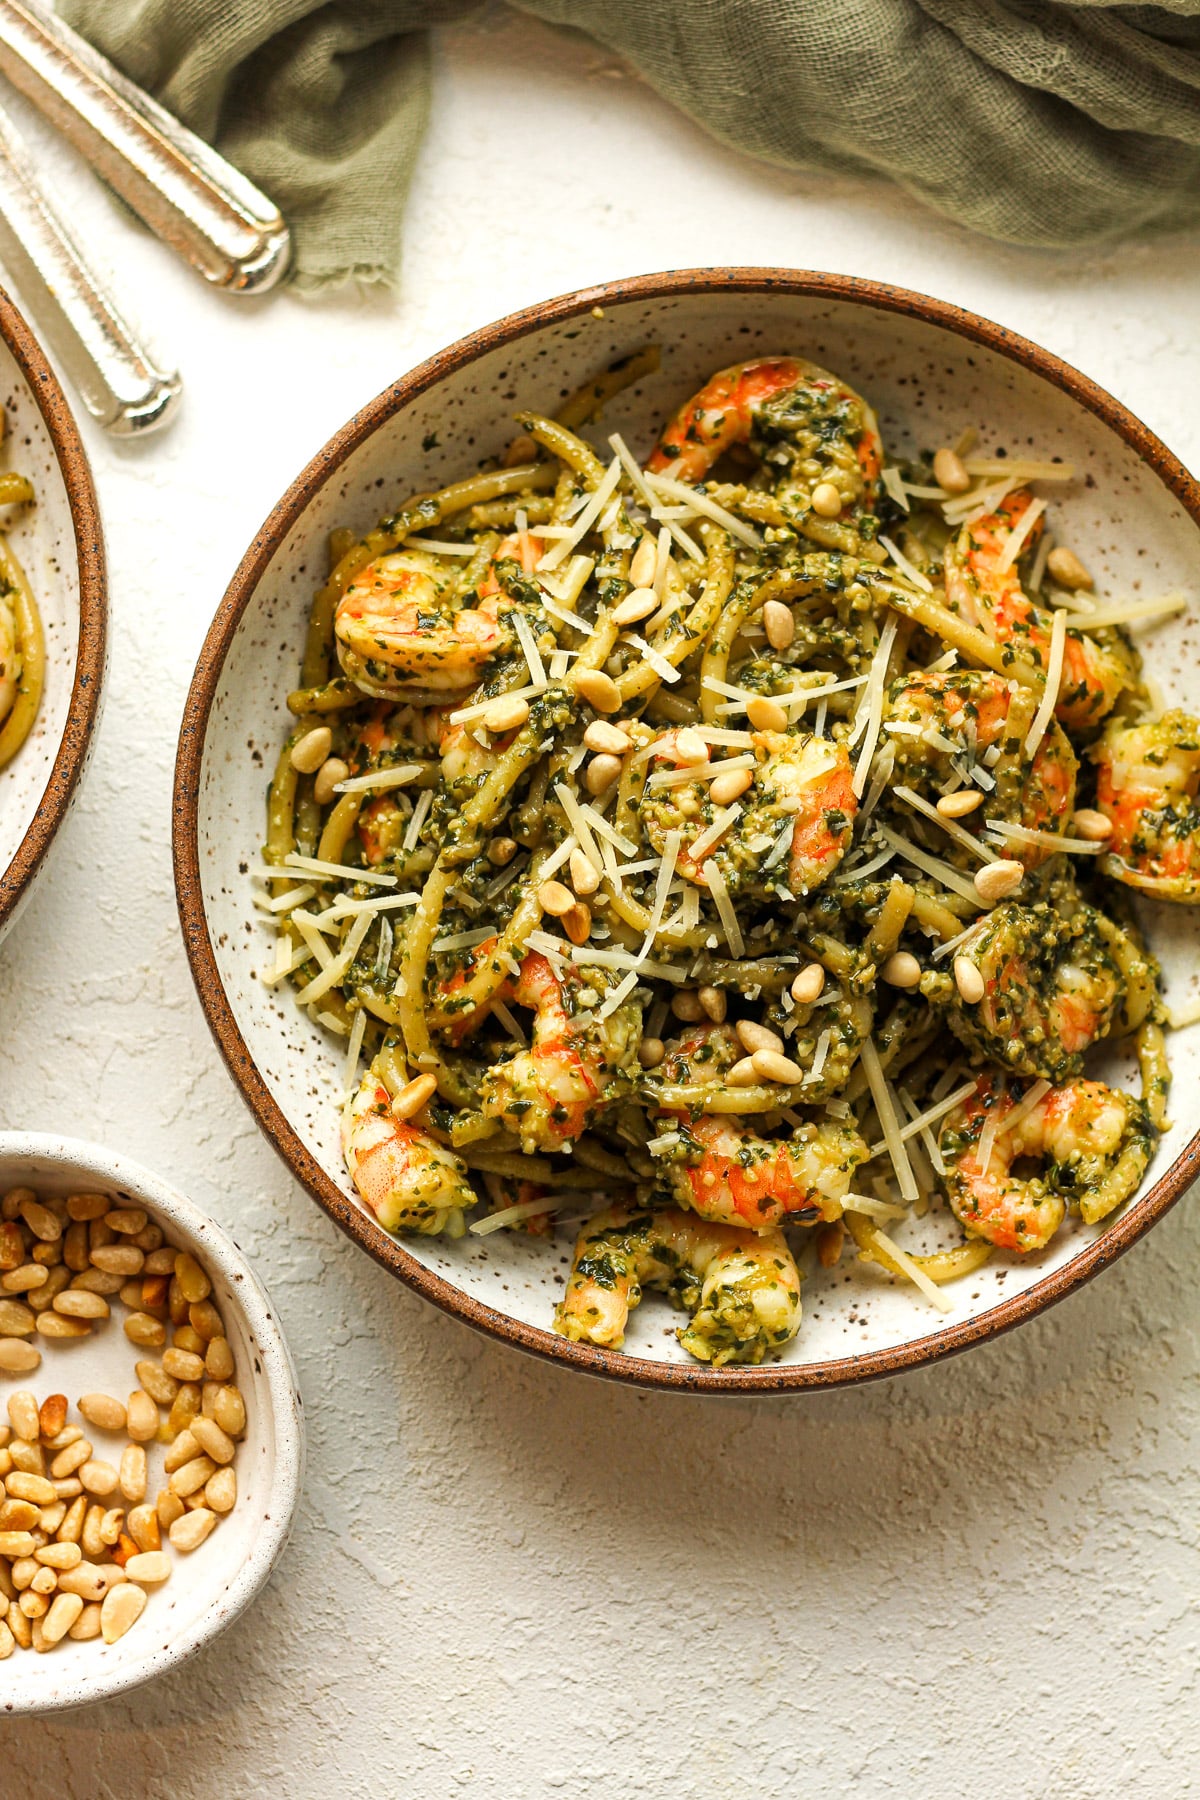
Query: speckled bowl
point(931, 370)
point(210, 1587)
point(61, 547)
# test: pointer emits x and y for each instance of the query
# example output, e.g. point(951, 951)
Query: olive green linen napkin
point(1046, 122)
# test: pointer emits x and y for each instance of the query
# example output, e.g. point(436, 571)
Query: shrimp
point(1147, 778)
point(1054, 983)
point(10, 659)
point(409, 1180)
point(734, 1177)
point(802, 783)
point(797, 417)
point(1095, 671)
point(577, 1063)
point(1094, 1141)
point(742, 1289)
point(395, 629)
point(967, 711)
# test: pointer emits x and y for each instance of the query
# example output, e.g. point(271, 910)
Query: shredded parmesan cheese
point(931, 865)
point(906, 1266)
point(512, 1215)
point(1049, 700)
point(669, 489)
point(909, 570)
point(724, 906)
point(382, 778)
point(559, 552)
point(712, 834)
point(1015, 542)
point(871, 704)
point(882, 1096)
point(950, 826)
point(332, 871)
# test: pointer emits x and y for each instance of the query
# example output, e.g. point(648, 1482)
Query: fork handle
point(186, 193)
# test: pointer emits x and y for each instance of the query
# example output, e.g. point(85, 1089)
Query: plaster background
point(508, 1581)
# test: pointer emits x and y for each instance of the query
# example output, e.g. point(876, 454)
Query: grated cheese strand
point(670, 489)
point(882, 1096)
point(1049, 700)
point(931, 865)
point(724, 906)
point(872, 704)
point(1014, 543)
point(559, 552)
point(908, 569)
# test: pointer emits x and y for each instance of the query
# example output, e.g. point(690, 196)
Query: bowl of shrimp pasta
point(686, 833)
point(52, 610)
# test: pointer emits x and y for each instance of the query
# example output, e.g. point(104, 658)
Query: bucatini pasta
point(729, 851)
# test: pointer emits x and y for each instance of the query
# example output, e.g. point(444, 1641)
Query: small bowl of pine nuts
point(151, 1436)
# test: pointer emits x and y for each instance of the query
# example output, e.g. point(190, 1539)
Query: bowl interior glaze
point(931, 372)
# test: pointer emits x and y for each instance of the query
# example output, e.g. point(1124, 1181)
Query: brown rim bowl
point(931, 369)
point(61, 545)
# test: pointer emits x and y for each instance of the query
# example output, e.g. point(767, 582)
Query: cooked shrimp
point(804, 422)
point(735, 1177)
point(576, 1063)
point(1095, 1143)
point(1054, 982)
point(395, 628)
point(10, 659)
point(1147, 778)
point(741, 1288)
point(967, 710)
point(1095, 671)
point(798, 778)
point(409, 1180)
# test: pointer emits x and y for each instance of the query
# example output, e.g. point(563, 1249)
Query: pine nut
point(23, 1416)
point(995, 881)
point(771, 1066)
point(122, 1608)
point(205, 1321)
point(40, 1220)
point(690, 749)
point(601, 734)
point(638, 604)
point(184, 1338)
point(22, 1486)
point(901, 970)
point(86, 1626)
point(75, 1248)
point(99, 1478)
point(7, 1641)
point(128, 1220)
point(143, 1528)
point(70, 1459)
point(131, 1473)
point(95, 1281)
point(826, 500)
point(54, 1325)
point(19, 1515)
point(809, 984)
point(59, 1556)
point(643, 561)
point(752, 1036)
point(24, 1279)
point(725, 789)
point(118, 1259)
point(577, 923)
point(90, 1580)
point(141, 1418)
point(779, 624)
point(17, 1358)
point(686, 1006)
point(44, 1583)
point(332, 771)
point(310, 751)
point(598, 689)
point(555, 899)
point(218, 1360)
point(110, 1526)
point(26, 1457)
point(220, 1490)
point(600, 774)
point(160, 1262)
point(191, 1476)
point(766, 714)
point(17, 1543)
point(949, 471)
point(84, 1207)
point(743, 1073)
point(229, 1410)
point(185, 1447)
point(149, 1567)
point(1091, 825)
point(505, 714)
point(1065, 568)
point(77, 1303)
point(190, 1532)
point(184, 1365)
point(16, 1319)
point(131, 1293)
point(584, 878)
point(89, 1538)
point(64, 1611)
point(167, 1508)
point(969, 981)
point(412, 1097)
point(71, 1529)
point(184, 1408)
point(651, 1051)
point(157, 1383)
point(713, 1003)
point(12, 1245)
point(501, 850)
point(959, 804)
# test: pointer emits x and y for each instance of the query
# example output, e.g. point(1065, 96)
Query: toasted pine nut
point(96, 1281)
point(218, 1359)
point(779, 624)
point(82, 1207)
point(205, 1321)
point(752, 1036)
point(598, 689)
point(600, 773)
point(19, 1515)
point(59, 1556)
point(23, 1416)
point(309, 752)
point(7, 1641)
point(99, 1478)
point(77, 1303)
point(960, 803)
point(64, 1611)
point(44, 1582)
point(1065, 568)
point(1091, 825)
point(41, 1221)
point(771, 1066)
point(190, 1532)
point(995, 881)
point(577, 923)
point(132, 1473)
point(110, 1525)
point(28, 1458)
point(90, 1540)
point(184, 1338)
point(17, 1543)
point(71, 1529)
point(24, 1279)
point(185, 1447)
point(809, 984)
point(501, 850)
point(651, 1051)
point(601, 734)
point(86, 1626)
point(505, 714)
point(743, 1073)
point(766, 714)
point(685, 1004)
point(160, 1262)
point(157, 1383)
point(950, 472)
point(149, 1567)
point(901, 970)
point(91, 1580)
point(141, 1417)
point(714, 1003)
point(128, 1220)
point(192, 1475)
point(639, 603)
point(17, 1358)
point(584, 878)
point(690, 749)
point(118, 1259)
point(75, 1247)
point(642, 562)
point(412, 1097)
point(70, 1459)
point(332, 770)
point(220, 1490)
point(16, 1319)
point(185, 1407)
point(725, 789)
point(54, 1325)
point(167, 1508)
point(969, 980)
point(122, 1608)
point(555, 899)
point(229, 1410)
point(144, 1529)
point(826, 500)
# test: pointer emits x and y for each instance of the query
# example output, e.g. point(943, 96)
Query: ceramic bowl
point(931, 370)
point(210, 1587)
point(60, 545)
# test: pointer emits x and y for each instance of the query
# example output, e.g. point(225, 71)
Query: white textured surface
point(508, 1581)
